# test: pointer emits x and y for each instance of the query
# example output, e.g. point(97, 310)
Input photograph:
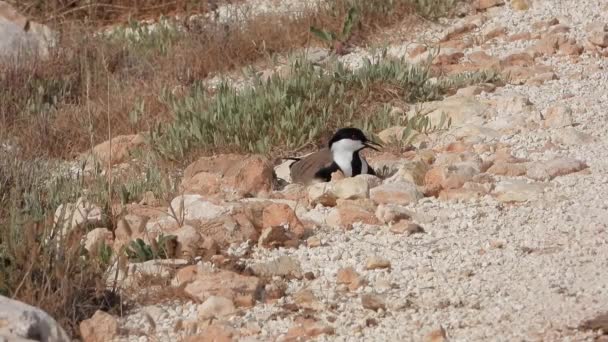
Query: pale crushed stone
point(442, 277)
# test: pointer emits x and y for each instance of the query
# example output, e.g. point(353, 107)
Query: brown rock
point(348, 276)
point(599, 38)
point(547, 170)
point(214, 333)
point(389, 213)
point(204, 183)
point(248, 175)
point(495, 32)
point(449, 176)
point(201, 284)
point(306, 299)
point(448, 58)
point(305, 329)
point(438, 335)
point(227, 230)
point(375, 262)
point(558, 116)
point(99, 328)
point(117, 150)
point(517, 59)
point(347, 214)
point(407, 228)
point(458, 31)
point(279, 214)
point(502, 168)
point(571, 48)
point(396, 193)
point(600, 322)
point(519, 36)
point(484, 60)
point(485, 4)
point(373, 302)
point(468, 192)
point(272, 237)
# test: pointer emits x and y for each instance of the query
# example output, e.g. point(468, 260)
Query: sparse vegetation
point(287, 112)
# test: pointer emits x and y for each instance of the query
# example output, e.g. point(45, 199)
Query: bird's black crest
point(348, 133)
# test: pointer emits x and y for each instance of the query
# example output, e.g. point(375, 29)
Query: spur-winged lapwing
point(342, 154)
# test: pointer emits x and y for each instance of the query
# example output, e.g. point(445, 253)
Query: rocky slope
point(493, 230)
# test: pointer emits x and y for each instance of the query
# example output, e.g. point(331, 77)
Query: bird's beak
point(372, 145)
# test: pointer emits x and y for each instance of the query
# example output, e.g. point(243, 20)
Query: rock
point(283, 266)
point(216, 307)
point(321, 193)
point(396, 193)
point(313, 241)
point(21, 321)
point(373, 302)
point(203, 283)
point(518, 191)
point(228, 230)
point(485, 4)
point(347, 214)
point(272, 237)
point(519, 36)
point(392, 135)
point(411, 172)
point(520, 5)
point(407, 228)
point(306, 329)
point(448, 56)
point(20, 37)
point(476, 89)
point(600, 322)
point(449, 176)
point(214, 333)
point(520, 75)
point(348, 276)
point(437, 335)
point(459, 109)
point(99, 328)
point(189, 240)
point(599, 38)
point(494, 32)
point(558, 116)
point(306, 299)
point(95, 238)
point(75, 215)
point(195, 207)
point(115, 151)
point(245, 175)
point(548, 45)
point(501, 168)
point(280, 214)
point(521, 59)
point(351, 188)
point(547, 170)
point(571, 48)
point(572, 136)
point(390, 213)
point(376, 262)
point(205, 183)
point(469, 191)
point(458, 31)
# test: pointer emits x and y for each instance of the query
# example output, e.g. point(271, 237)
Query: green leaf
point(349, 22)
point(323, 34)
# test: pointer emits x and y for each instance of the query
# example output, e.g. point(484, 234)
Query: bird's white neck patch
point(342, 152)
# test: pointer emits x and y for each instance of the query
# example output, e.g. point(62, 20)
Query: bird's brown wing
point(303, 171)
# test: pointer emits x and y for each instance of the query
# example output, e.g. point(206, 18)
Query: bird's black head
point(354, 137)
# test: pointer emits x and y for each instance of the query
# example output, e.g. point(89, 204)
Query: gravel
point(483, 270)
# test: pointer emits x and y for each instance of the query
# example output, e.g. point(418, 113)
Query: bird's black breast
point(325, 173)
point(356, 164)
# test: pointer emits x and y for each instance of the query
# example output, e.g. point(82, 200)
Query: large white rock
point(20, 321)
point(195, 207)
point(19, 35)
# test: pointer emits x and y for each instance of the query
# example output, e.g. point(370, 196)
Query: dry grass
point(60, 107)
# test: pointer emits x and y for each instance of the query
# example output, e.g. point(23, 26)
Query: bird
point(341, 153)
